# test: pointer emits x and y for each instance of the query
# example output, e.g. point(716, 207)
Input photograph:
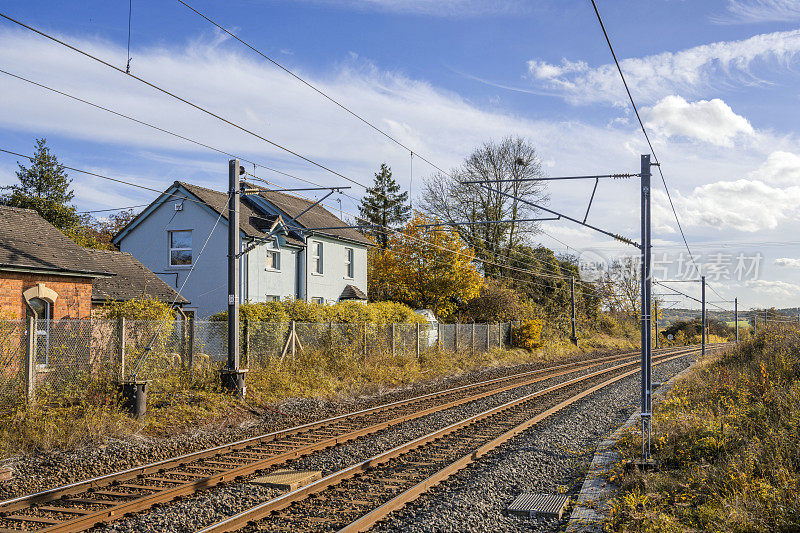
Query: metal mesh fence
point(12, 361)
point(68, 353)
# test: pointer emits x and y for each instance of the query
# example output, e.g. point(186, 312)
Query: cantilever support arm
point(575, 220)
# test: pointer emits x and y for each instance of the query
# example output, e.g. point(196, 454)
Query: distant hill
point(670, 316)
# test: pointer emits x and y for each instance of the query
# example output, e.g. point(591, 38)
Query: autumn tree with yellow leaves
point(424, 268)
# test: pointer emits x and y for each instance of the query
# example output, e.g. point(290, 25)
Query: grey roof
point(29, 242)
point(317, 217)
point(132, 280)
point(351, 292)
point(252, 223)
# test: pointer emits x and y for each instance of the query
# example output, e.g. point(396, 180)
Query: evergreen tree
point(45, 188)
point(384, 205)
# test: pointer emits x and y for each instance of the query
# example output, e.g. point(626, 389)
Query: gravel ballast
point(40, 471)
point(203, 509)
point(550, 458)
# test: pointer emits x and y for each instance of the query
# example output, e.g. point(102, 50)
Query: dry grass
point(728, 440)
point(88, 413)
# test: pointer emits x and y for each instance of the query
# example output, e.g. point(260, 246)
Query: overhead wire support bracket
point(487, 222)
point(575, 220)
point(596, 182)
point(556, 178)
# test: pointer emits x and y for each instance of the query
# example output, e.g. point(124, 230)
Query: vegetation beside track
point(727, 438)
point(88, 413)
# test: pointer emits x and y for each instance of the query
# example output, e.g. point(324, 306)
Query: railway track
point(81, 505)
point(357, 497)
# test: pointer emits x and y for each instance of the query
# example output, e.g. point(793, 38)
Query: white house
point(323, 266)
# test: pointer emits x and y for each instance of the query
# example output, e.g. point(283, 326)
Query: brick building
point(42, 272)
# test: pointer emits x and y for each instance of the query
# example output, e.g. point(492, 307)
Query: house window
point(273, 260)
point(318, 301)
point(273, 298)
point(42, 310)
point(348, 262)
point(180, 248)
point(317, 258)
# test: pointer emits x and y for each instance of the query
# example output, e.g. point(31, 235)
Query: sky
point(716, 83)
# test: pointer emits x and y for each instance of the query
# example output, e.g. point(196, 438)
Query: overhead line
point(181, 99)
point(641, 124)
point(314, 88)
point(209, 147)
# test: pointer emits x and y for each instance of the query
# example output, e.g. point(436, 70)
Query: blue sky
point(716, 80)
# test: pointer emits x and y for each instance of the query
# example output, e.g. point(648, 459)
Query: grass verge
point(727, 438)
point(88, 413)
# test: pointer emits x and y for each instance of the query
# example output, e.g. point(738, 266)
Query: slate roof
point(351, 292)
point(253, 223)
point(29, 242)
point(132, 280)
point(318, 217)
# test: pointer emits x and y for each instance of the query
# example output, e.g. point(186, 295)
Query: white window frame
point(318, 258)
point(170, 249)
point(349, 263)
point(272, 298)
point(319, 300)
point(273, 257)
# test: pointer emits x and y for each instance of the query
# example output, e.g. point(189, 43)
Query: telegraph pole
point(703, 312)
point(736, 317)
point(572, 292)
point(645, 308)
point(232, 375)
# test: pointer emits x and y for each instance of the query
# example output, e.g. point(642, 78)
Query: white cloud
point(787, 262)
point(780, 168)
point(545, 71)
point(739, 11)
point(449, 8)
point(711, 121)
point(691, 71)
point(743, 205)
point(780, 288)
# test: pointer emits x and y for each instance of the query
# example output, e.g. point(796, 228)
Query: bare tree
point(446, 198)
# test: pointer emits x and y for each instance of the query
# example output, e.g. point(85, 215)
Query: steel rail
point(239, 520)
point(46, 495)
point(183, 488)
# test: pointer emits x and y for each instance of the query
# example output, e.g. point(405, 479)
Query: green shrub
point(347, 312)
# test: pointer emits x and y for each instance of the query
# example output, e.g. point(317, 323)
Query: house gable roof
point(254, 221)
point(29, 243)
point(132, 280)
point(316, 217)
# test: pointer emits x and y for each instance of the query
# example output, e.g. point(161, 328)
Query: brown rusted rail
point(81, 505)
point(373, 468)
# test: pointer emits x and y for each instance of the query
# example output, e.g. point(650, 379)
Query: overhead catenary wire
point(218, 150)
point(182, 99)
point(641, 124)
point(314, 88)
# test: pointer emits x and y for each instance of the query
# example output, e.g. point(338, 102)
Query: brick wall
point(74, 294)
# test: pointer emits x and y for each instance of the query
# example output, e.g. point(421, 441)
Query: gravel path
point(200, 510)
point(556, 454)
point(40, 471)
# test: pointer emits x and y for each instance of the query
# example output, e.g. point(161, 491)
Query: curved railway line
point(79, 506)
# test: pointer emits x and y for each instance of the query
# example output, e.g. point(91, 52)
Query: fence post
point(392, 339)
point(438, 335)
point(365, 340)
point(499, 335)
point(472, 338)
point(417, 341)
point(30, 360)
point(246, 342)
point(455, 338)
point(190, 351)
point(294, 336)
point(122, 340)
